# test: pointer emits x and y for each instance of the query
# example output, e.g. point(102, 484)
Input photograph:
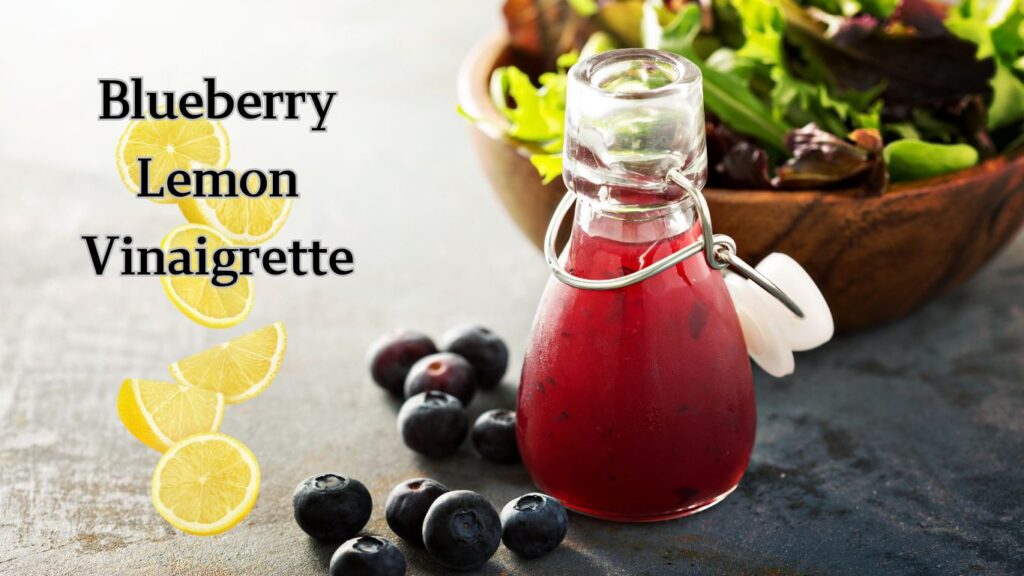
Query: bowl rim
point(475, 101)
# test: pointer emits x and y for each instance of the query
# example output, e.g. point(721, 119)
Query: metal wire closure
point(719, 250)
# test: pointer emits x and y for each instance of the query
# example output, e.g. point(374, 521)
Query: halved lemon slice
point(206, 484)
point(196, 296)
point(173, 145)
point(239, 369)
point(160, 413)
point(243, 220)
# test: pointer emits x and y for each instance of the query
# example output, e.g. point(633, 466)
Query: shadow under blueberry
point(561, 560)
point(322, 551)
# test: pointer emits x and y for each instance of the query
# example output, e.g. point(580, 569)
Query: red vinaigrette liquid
point(637, 404)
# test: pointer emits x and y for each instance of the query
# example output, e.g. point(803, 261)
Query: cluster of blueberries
point(460, 529)
point(439, 384)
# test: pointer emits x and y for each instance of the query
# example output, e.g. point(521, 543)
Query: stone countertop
point(897, 451)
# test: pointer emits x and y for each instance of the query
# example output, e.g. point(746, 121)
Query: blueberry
point(494, 436)
point(407, 505)
point(331, 507)
point(433, 423)
point(462, 530)
point(367, 556)
point(485, 352)
point(533, 525)
point(392, 355)
point(446, 372)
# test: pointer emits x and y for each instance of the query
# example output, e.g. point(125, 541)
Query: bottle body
point(636, 404)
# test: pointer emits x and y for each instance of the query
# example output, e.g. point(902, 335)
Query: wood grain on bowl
point(875, 259)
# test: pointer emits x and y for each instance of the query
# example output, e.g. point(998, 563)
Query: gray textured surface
point(894, 452)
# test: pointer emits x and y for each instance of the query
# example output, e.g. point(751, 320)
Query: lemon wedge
point(196, 296)
point(243, 220)
point(173, 145)
point(160, 413)
point(206, 484)
point(239, 369)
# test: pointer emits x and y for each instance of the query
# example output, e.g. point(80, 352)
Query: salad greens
point(726, 93)
point(995, 26)
point(799, 94)
point(538, 117)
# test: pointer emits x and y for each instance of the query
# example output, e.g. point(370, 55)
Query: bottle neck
point(596, 218)
point(609, 244)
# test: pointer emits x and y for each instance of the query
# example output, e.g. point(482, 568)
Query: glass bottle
point(636, 404)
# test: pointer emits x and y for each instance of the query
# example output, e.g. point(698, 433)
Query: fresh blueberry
point(331, 507)
point(367, 556)
point(494, 436)
point(407, 506)
point(444, 371)
point(462, 530)
point(392, 355)
point(486, 352)
point(433, 423)
point(533, 525)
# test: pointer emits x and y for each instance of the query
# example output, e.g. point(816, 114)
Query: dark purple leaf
point(917, 63)
point(745, 166)
point(735, 162)
point(821, 160)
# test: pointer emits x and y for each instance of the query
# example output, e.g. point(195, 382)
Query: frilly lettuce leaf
point(794, 100)
point(762, 25)
point(536, 114)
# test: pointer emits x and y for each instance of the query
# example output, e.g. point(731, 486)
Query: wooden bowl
point(875, 259)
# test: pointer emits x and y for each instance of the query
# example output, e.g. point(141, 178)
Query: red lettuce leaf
point(821, 160)
point(734, 161)
point(911, 54)
point(545, 29)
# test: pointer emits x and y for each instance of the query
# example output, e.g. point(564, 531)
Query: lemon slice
point(196, 296)
point(239, 369)
point(173, 145)
point(206, 484)
point(159, 413)
point(243, 220)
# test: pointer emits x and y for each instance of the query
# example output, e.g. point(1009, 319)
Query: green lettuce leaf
point(915, 159)
point(549, 166)
point(1007, 104)
point(538, 113)
point(762, 28)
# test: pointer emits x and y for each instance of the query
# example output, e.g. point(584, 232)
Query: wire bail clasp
point(718, 249)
